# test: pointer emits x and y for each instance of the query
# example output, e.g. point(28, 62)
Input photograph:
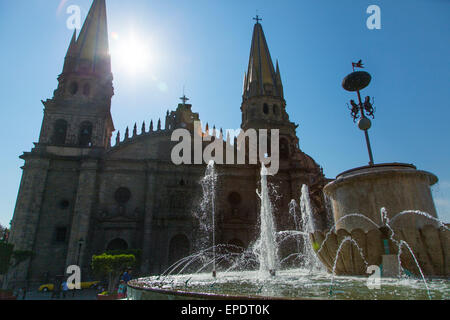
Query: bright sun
point(131, 53)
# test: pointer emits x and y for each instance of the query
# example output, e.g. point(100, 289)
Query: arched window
point(179, 248)
point(117, 244)
point(87, 89)
point(284, 149)
point(73, 88)
point(122, 195)
point(265, 108)
point(276, 110)
point(85, 139)
point(59, 132)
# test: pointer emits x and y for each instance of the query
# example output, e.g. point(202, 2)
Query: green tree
point(111, 266)
point(3, 232)
point(6, 252)
point(10, 257)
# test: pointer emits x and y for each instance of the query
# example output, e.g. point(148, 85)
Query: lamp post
point(80, 244)
point(356, 81)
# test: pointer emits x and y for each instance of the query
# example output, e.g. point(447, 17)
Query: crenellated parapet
point(136, 134)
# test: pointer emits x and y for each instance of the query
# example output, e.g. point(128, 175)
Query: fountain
point(371, 231)
point(358, 195)
point(309, 281)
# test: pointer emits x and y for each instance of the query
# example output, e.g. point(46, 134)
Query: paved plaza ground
point(86, 294)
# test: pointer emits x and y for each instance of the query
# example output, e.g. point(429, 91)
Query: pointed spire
point(118, 138)
point(127, 134)
point(69, 61)
point(277, 72)
point(278, 81)
point(151, 126)
point(245, 83)
point(167, 123)
point(72, 46)
point(143, 128)
point(92, 43)
point(261, 77)
point(159, 124)
point(135, 130)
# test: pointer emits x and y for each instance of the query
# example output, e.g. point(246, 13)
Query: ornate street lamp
point(356, 81)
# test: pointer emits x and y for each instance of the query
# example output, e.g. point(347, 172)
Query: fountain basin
point(394, 186)
point(357, 198)
point(431, 250)
point(292, 284)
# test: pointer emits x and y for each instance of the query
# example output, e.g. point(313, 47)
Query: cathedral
point(84, 191)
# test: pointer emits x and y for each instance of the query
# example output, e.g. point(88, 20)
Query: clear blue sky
point(204, 45)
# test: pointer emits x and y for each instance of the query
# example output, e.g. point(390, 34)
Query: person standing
point(65, 288)
point(127, 275)
point(122, 290)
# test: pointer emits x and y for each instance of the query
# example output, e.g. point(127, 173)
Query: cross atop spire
point(257, 19)
point(184, 99)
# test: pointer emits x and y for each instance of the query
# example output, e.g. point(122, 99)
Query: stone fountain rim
point(212, 296)
point(366, 172)
point(376, 166)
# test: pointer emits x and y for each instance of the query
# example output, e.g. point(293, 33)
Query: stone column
point(148, 217)
point(26, 214)
point(86, 196)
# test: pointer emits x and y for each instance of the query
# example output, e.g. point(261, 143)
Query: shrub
point(111, 266)
point(135, 252)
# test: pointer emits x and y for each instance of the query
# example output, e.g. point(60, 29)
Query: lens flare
point(61, 5)
point(132, 53)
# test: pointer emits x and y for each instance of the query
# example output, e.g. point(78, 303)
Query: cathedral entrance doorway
point(117, 244)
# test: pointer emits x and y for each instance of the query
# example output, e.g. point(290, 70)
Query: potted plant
point(7, 295)
point(111, 266)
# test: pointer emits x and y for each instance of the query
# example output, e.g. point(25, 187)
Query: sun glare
point(132, 53)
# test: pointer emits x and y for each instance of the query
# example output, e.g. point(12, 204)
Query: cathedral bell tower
point(263, 104)
point(79, 114)
point(57, 192)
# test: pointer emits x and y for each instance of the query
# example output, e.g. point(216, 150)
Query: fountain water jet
point(293, 212)
point(207, 214)
point(267, 245)
point(352, 241)
point(311, 260)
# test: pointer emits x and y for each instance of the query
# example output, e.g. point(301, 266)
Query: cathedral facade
point(81, 194)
